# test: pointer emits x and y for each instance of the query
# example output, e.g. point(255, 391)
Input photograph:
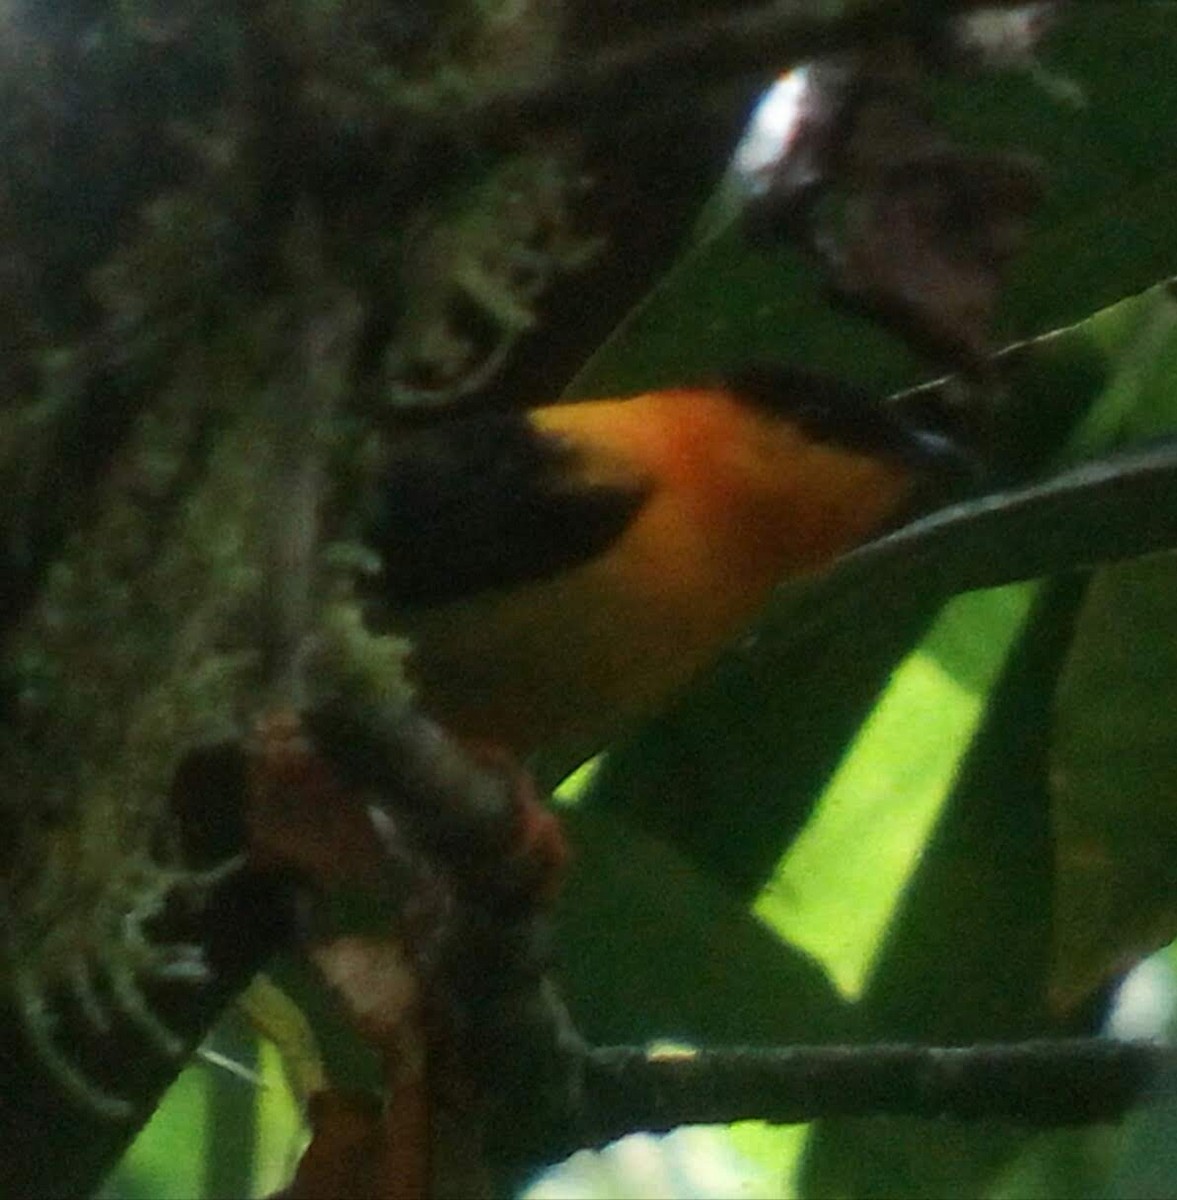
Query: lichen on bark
point(218, 267)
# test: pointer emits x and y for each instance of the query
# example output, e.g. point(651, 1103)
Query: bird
point(563, 571)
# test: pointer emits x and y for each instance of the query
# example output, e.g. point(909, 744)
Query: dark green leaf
point(651, 948)
point(730, 774)
point(1115, 508)
point(1108, 229)
point(1114, 778)
point(1115, 756)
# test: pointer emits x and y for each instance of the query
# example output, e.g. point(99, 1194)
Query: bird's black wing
point(486, 502)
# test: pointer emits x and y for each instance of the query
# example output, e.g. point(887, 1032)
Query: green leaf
point(966, 957)
point(651, 948)
point(1108, 227)
point(1114, 508)
point(730, 773)
point(835, 888)
point(1114, 778)
point(1115, 752)
point(1107, 230)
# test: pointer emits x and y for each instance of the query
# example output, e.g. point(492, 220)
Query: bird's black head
point(920, 429)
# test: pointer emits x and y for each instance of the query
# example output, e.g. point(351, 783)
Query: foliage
point(891, 814)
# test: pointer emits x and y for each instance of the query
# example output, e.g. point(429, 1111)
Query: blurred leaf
point(1149, 1167)
point(652, 949)
point(966, 957)
point(726, 304)
point(1108, 229)
point(836, 886)
point(216, 1133)
point(1118, 507)
point(167, 1160)
point(1148, 1162)
point(1114, 780)
point(1115, 754)
point(1066, 1164)
point(231, 1126)
point(281, 1124)
point(730, 774)
point(1137, 339)
point(272, 1014)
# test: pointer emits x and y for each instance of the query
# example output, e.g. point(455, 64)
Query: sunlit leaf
point(966, 957)
point(835, 888)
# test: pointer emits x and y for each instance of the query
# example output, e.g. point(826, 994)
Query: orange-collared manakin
point(564, 570)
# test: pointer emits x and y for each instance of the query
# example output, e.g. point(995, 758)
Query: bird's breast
point(739, 500)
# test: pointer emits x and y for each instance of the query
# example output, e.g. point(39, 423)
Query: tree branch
point(1042, 1083)
point(716, 47)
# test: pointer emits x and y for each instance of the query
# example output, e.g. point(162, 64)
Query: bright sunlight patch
point(836, 887)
